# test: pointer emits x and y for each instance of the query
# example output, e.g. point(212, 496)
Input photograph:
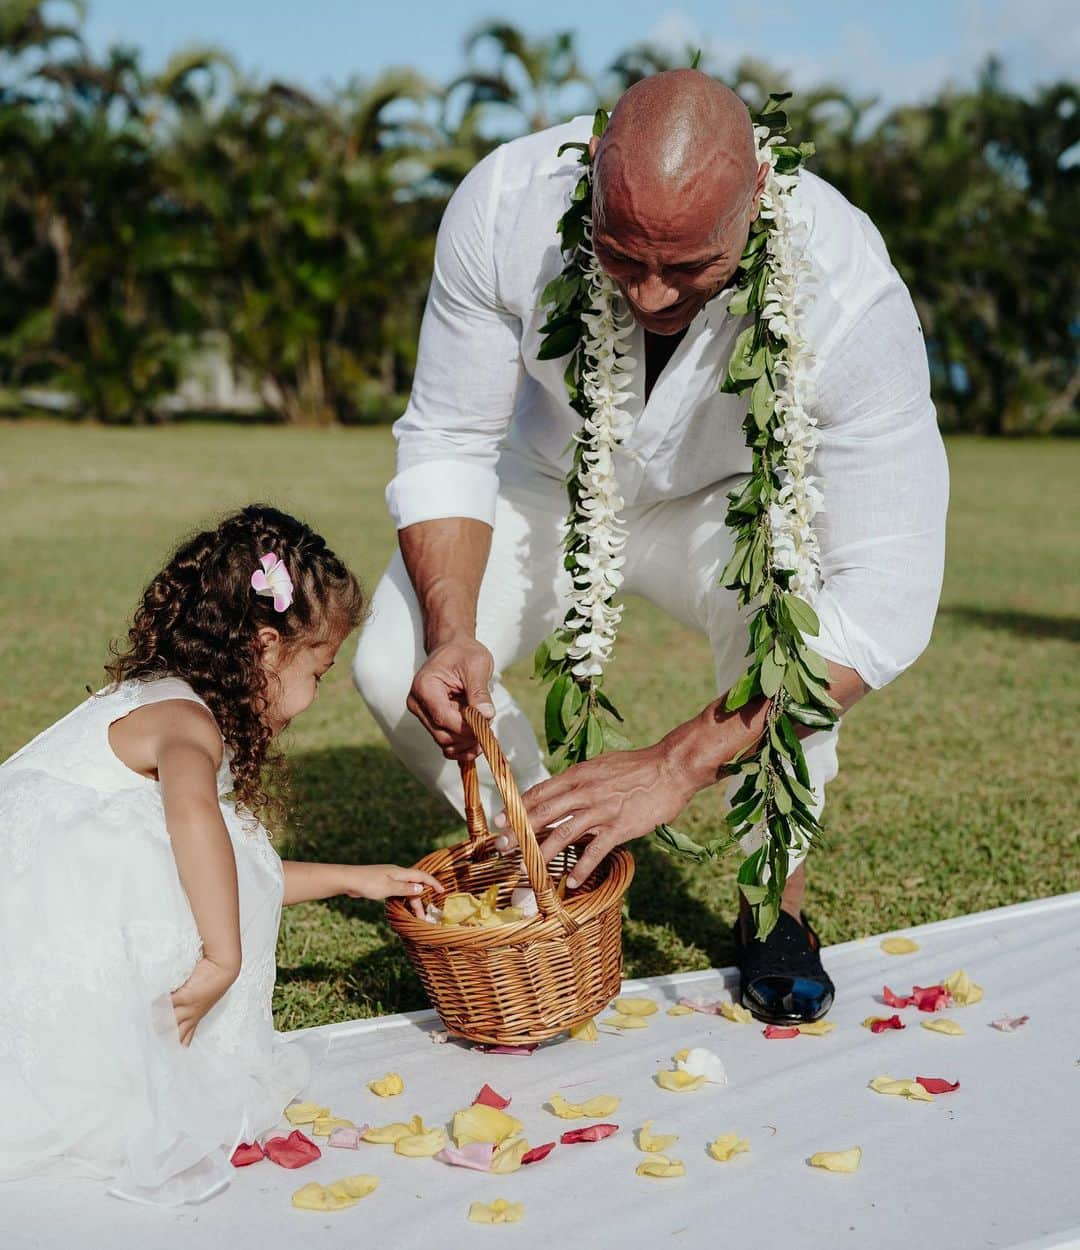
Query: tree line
point(145, 216)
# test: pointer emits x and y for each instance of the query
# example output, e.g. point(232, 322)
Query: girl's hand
point(206, 985)
point(388, 881)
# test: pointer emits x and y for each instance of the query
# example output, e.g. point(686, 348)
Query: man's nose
point(652, 294)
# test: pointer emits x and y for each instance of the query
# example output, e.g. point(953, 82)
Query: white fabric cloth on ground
point(674, 555)
point(95, 932)
point(991, 1165)
point(479, 388)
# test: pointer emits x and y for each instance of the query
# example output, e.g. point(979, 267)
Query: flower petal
point(594, 1132)
point(932, 997)
point(526, 1048)
point(679, 1082)
point(635, 1006)
point(660, 1166)
point(498, 1212)
point(388, 1086)
point(935, 1084)
point(305, 1112)
point(837, 1160)
point(680, 1009)
point(484, 1124)
point(817, 1028)
point(293, 1151)
point(1009, 1024)
point(963, 990)
point(775, 1031)
point(619, 1021)
point(654, 1143)
point(899, 946)
point(586, 1031)
point(477, 1155)
point(324, 1125)
point(348, 1138)
point(736, 1013)
point(598, 1107)
point(879, 1024)
point(336, 1196)
point(423, 1145)
point(388, 1134)
point(894, 1000)
point(949, 1027)
point(727, 1145)
point(703, 1062)
point(537, 1153)
point(487, 1097)
point(901, 1088)
point(246, 1154)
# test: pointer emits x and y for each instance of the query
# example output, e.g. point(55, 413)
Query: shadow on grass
point(358, 804)
point(1023, 624)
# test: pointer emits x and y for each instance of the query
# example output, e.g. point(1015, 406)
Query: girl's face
point(293, 676)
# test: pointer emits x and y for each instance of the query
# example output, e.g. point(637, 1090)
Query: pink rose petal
point(774, 1031)
point(935, 1084)
point(526, 1049)
point(347, 1138)
point(293, 1151)
point(247, 1153)
point(594, 1132)
point(476, 1155)
point(537, 1153)
point(1009, 1024)
point(489, 1098)
point(698, 1004)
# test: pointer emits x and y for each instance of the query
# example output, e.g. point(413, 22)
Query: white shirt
point(480, 396)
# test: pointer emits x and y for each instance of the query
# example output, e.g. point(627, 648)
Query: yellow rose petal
point(305, 1112)
point(484, 1124)
point(902, 1088)
point(837, 1160)
point(595, 1108)
point(963, 989)
point(944, 1026)
point(654, 1143)
point(817, 1028)
point(586, 1031)
point(680, 1055)
point(324, 1125)
point(336, 1196)
point(389, 1134)
point(508, 1159)
point(422, 1145)
point(680, 1010)
point(736, 1013)
point(660, 1166)
point(619, 1021)
point(635, 1006)
point(498, 1212)
point(457, 908)
point(388, 1086)
point(678, 1081)
point(727, 1145)
point(899, 946)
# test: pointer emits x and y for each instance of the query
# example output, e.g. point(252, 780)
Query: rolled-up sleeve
point(467, 374)
point(885, 480)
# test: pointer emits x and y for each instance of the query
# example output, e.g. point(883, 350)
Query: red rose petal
point(247, 1153)
point(292, 1151)
point(886, 1022)
point(935, 1085)
point(772, 1031)
point(595, 1132)
point(487, 1097)
point(894, 1000)
point(930, 997)
point(526, 1049)
point(537, 1153)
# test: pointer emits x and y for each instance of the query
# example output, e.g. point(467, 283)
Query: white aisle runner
point(994, 1164)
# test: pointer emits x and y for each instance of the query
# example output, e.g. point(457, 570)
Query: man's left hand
point(610, 800)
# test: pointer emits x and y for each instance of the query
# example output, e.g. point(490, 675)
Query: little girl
point(139, 906)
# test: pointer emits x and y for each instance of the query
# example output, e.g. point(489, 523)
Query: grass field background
point(958, 783)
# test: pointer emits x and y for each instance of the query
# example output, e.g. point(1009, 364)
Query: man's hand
point(456, 672)
point(207, 984)
point(611, 800)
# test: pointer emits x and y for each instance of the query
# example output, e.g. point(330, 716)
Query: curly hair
point(199, 619)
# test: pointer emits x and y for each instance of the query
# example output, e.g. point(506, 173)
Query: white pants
point(675, 553)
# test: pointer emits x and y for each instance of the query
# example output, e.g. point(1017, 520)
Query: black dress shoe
point(783, 981)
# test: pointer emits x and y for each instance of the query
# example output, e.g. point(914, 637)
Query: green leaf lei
point(775, 791)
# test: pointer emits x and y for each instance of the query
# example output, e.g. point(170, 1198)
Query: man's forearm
point(445, 560)
point(698, 750)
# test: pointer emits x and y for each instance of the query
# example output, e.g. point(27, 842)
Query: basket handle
point(547, 901)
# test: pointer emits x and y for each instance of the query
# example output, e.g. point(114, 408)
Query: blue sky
point(896, 51)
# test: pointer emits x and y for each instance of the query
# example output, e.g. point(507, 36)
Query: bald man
point(484, 449)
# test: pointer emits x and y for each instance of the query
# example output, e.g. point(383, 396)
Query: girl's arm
point(306, 882)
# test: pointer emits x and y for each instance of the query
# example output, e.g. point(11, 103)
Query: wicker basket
point(523, 982)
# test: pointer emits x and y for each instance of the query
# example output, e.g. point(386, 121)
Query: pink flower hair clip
point(272, 581)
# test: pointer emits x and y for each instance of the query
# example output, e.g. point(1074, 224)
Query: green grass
point(958, 783)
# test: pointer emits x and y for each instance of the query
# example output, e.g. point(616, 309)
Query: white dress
point(95, 932)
